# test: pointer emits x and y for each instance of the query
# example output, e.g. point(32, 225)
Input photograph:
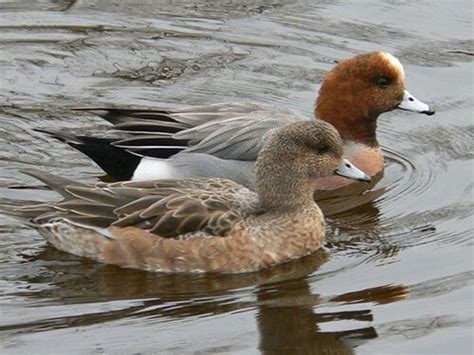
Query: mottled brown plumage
point(200, 225)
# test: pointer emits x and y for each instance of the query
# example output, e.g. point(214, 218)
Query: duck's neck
point(283, 192)
point(349, 116)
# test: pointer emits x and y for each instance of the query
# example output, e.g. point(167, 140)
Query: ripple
point(157, 54)
point(438, 53)
point(405, 178)
point(388, 225)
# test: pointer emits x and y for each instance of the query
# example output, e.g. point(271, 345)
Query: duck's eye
point(383, 82)
point(322, 149)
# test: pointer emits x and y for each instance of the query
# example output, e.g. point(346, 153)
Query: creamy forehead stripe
point(395, 63)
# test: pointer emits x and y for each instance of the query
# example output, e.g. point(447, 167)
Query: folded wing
point(168, 208)
point(228, 130)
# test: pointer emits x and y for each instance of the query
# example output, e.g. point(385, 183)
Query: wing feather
point(228, 130)
point(169, 208)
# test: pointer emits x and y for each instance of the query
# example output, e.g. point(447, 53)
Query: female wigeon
point(223, 140)
point(201, 225)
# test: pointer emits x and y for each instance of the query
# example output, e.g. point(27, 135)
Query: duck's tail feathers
point(117, 162)
point(27, 214)
point(152, 131)
point(65, 236)
point(17, 214)
point(56, 183)
point(118, 116)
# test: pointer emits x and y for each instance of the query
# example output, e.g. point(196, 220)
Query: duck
point(223, 140)
point(200, 224)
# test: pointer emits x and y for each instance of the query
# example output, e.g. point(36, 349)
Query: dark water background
point(397, 274)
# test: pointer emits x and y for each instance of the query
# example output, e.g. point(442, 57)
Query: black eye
point(383, 82)
point(322, 149)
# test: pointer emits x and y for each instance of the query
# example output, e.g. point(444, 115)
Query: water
point(396, 275)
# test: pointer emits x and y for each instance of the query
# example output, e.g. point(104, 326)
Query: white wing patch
point(153, 168)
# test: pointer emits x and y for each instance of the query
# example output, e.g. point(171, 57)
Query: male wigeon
point(223, 140)
point(201, 225)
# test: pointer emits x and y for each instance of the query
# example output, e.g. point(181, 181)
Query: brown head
point(294, 157)
point(358, 90)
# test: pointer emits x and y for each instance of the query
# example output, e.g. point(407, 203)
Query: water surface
point(396, 274)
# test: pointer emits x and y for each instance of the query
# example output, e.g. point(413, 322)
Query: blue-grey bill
point(411, 103)
point(349, 170)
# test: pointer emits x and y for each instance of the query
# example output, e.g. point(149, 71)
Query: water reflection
point(60, 53)
point(286, 307)
point(288, 322)
point(350, 197)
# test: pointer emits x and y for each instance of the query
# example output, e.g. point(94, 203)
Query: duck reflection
point(286, 308)
point(349, 197)
point(294, 328)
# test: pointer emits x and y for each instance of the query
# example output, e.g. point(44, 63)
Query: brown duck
point(200, 225)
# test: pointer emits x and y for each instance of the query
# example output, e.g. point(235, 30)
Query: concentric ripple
point(396, 270)
point(405, 178)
